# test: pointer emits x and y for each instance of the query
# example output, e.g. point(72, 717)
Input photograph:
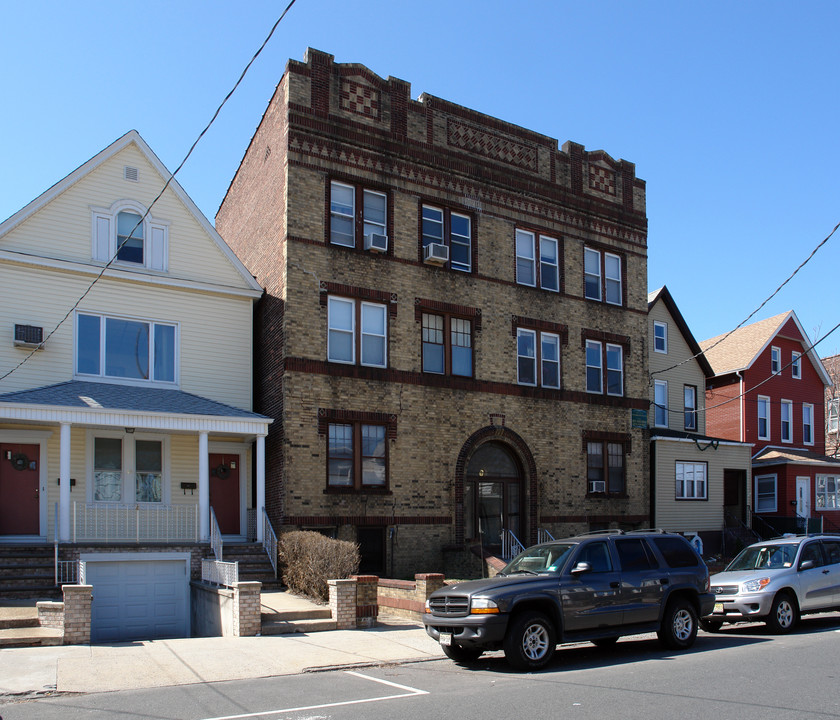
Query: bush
point(310, 559)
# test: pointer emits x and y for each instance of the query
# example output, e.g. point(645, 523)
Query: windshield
point(540, 559)
point(760, 557)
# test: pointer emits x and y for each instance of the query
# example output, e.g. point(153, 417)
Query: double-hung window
point(833, 415)
point(828, 492)
point(126, 349)
point(447, 345)
point(357, 456)
point(787, 421)
point(357, 332)
point(444, 227)
point(349, 227)
point(602, 279)
point(538, 358)
point(660, 337)
point(765, 493)
point(660, 403)
point(807, 424)
point(796, 365)
point(537, 257)
point(605, 468)
point(690, 403)
point(127, 468)
point(775, 360)
point(763, 404)
point(691, 481)
point(129, 236)
point(604, 368)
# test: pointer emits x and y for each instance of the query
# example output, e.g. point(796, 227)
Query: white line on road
point(410, 692)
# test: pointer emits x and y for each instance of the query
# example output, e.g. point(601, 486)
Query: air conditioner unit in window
point(436, 254)
point(376, 242)
point(596, 486)
point(29, 336)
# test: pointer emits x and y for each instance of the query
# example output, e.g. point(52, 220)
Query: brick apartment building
point(452, 339)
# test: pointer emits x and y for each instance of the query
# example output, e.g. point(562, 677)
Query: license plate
point(718, 608)
point(446, 639)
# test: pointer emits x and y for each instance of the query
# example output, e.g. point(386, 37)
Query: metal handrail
point(220, 573)
point(269, 541)
point(510, 544)
point(216, 543)
point(544, 536)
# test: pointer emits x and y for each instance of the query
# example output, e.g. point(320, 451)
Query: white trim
point(756, 479)
point(775, 359)
point(796, 364)
point(555, 265)
point(811, 425)
point(527, 234)
point(664, 326)
point(659, 406)
point(533, 358)
point(758, 400)
point(41, 439)
point(789, 405)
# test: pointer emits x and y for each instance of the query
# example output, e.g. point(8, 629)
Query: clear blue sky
point(728, 109)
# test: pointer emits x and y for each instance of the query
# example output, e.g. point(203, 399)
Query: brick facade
point(340, 123)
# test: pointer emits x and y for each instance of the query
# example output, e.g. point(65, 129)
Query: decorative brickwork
point(359, 99)
point(481, 142)
point(601, 179)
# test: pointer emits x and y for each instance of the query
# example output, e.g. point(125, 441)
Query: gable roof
point(664, 295)
point(132, 137)
point(738, 350)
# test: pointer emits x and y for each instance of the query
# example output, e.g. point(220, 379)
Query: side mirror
point(580, 568)
point(806, 564)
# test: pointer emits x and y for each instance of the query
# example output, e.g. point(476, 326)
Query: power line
point(159, 195)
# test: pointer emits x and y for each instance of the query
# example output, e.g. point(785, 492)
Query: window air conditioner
point(376, 242)
point(29, 336)
point(436, 254)
point(597, 486)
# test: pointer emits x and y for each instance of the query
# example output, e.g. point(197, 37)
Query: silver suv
point(776, 581)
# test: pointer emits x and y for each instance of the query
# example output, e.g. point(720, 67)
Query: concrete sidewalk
point(156, 663)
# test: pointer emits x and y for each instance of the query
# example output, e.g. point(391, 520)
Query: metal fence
point(138, 523)
point(220, 573)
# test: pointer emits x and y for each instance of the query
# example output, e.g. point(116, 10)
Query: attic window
point(131, 173)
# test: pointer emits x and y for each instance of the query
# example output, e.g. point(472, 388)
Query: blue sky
point(728, 109)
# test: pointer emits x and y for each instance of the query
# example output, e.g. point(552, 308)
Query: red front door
point(224, 492)
point(19, 501)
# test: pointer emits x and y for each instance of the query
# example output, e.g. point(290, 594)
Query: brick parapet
point(77, 616)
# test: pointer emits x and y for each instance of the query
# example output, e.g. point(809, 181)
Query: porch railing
point(67, 572)
point(219, 573)
point(544, 536)
point(269, 541)
point(510, 545)
point(216, 543)
point(135, 523)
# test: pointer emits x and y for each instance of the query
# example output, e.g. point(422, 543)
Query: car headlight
point(483, 606)
point(756, 585)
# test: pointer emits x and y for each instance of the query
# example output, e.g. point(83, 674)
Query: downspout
point(741, 403)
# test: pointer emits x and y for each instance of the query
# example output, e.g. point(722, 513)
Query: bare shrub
point(310, 559)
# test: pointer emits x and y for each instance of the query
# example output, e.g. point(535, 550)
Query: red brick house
point(768, 389)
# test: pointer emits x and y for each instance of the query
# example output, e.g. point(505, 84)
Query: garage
point(138, 597)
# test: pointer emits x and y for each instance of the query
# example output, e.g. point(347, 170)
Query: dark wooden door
point(19, 496)
point(224, 492)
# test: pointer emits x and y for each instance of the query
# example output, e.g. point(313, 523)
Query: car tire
point(784, 614)
point(461, 655)
point(711, 626)
point(530, 641)
point(607, 642)
point(679, 625)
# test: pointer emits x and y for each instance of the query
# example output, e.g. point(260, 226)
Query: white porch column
point(64, 484)
point(260, 485)
point(203, 488)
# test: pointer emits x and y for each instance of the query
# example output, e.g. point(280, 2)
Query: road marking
point(410, 692)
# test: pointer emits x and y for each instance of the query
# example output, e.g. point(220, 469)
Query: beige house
point(125, 373)
point(699, 484)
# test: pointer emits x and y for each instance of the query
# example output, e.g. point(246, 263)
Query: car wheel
point(530, 641)
point(461, 654)
point(605, 642)
point(784, 613)
point(711, 626)
point(679, 625)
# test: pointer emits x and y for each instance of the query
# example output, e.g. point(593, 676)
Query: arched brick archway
point(519, 449)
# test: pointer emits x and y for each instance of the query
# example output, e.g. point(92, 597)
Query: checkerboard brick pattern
point(491, 145)
point(360, 99)
point(601, 179)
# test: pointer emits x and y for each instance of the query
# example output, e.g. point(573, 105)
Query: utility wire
point(159, 195)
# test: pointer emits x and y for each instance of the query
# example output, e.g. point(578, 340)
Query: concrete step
point(9, 623)
point(285, 627)
point(29, 637)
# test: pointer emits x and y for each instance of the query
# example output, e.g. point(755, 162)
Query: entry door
point(803, 497)
point(224, 492)
point(19, 498)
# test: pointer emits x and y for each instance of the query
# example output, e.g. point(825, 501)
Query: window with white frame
point(807, 424)
point(660, 403)
point(594, 367)
point(691, 481)
point(690, 405)
point(763, 405)
point(604, 368)
point(602, 276)
point(660, 337)
point(775, 360)
point(796, 365)
point(127, 234)
point(445, 227)
point(537, 358)
point(833, 415)
point(126, 349)
point(787, 421)
point(765, 493)
point(356, 329)
point(349, 228)
point(828, 492)
point(531, 264)
point(128, 468)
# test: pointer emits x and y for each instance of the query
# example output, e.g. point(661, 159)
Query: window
point(691, 481)
point(775, 360)
point(605, 468)
point(765, 493)
point(538, 358)
point(690, 403)
point(449, 228)
point(127, 234)
point(763, 403)
point(357, 456)
point(660, 337)
point(349, 228)
point(602, 276)
point(447, 345)
point(127, 469)
point(596, 379)
point(344, 344)
point(660, 403)
point(634, 555)
point(833, 415)
point(796, 365)
point(807, 424)
point(130, 237)
point(133, 350)
point(527, 261)
point(787, 421)
point(828, 492)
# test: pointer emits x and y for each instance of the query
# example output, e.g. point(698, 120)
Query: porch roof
point(793, 456)
point(92, 403)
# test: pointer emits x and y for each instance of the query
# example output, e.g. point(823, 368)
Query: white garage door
point(138, 599)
